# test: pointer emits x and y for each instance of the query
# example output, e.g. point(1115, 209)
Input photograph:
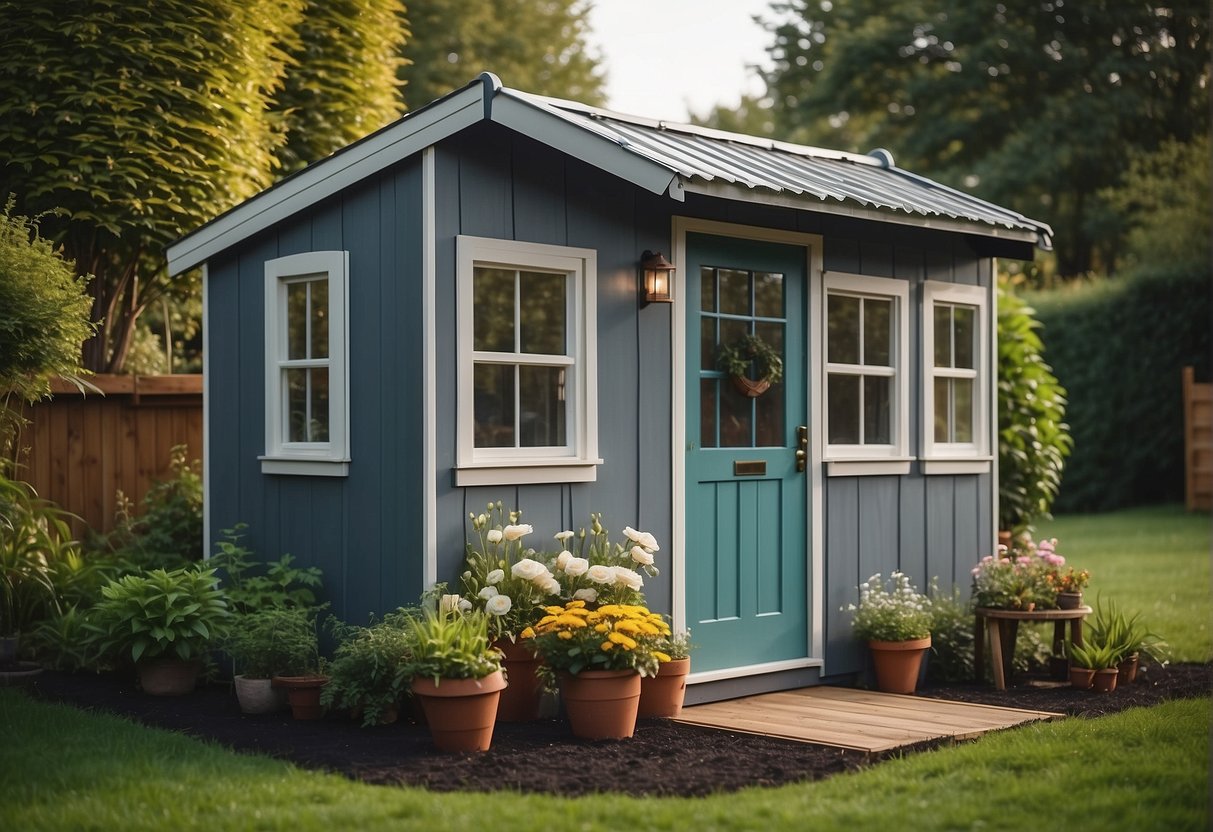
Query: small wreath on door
point(734, 360)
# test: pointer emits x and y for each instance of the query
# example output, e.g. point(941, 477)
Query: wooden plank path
point(857, 719)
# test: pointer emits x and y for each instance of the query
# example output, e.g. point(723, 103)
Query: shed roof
point(662, 157)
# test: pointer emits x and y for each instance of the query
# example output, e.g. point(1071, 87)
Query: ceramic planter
point(1081, 677)
point(520, 701)
point(258, 696)
point(601, 704)
point(1105, 680)
point(1069, 600)
point(461, 713)
point(1128, 669)
point(662, 695)
point(303, 694)
point(168, 677)
point(898, 663)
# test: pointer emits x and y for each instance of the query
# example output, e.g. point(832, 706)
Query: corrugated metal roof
point(708, 160)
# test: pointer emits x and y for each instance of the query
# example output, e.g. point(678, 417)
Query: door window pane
point(877, 332)
point(541, 411)
point(877, 400)
point(494, 405)
point(842, 422)
point(842, 338)
point(768, 294)
point(736, 418)
point(707, 289)
point(542, 312)
point(493, 310)
point(734, 292)
point(707, 412)
point(768, 418)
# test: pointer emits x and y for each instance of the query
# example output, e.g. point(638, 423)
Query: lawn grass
point(1152, 560)
point(63, 769)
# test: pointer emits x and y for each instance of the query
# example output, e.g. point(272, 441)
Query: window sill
point(302, 467)
point(886, 466)
point(944, 465)
point(516, 472)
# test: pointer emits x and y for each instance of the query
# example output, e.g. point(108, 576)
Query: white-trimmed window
point(307, 365)
point(528, 406)
point(956, 369)
point(866, 377)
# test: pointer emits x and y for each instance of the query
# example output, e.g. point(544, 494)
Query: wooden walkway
point(856, 719)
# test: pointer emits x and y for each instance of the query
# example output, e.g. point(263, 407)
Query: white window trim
point(949, 457)
point(868, 460)
point(324, 459)
point(541, 465)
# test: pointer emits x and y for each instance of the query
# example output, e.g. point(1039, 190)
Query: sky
point(667, 58)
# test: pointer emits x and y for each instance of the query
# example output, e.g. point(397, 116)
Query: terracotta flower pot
point(662, 695)
point(258, 696)
point(601, 704)
point(750, 388)
point(168, 677)
point(460, 712)
point(1081, 677)
point(1105, 680)
point(898, 663)
point(1069, 600)
point(521, 699)
point(303, 694)
point(1128, 669)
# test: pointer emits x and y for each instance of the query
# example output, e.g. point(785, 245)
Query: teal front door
point(746, 504)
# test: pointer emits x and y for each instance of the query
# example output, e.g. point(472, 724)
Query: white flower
point(600, 574)
point(494, 536)
point(498, 605)
point(465, 605)
point(627, 577)
point(496, 576)
point(642, 556)
point(487, 593)
point(528, 569)
point(641, 538)
point(515, 532)
point(576, 567)
point(548, 584)
point(563, 536)
point(562, 559)
point(587, 595)
point(449, 603)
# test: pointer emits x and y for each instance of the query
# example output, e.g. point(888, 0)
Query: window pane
point(707, 412)
point(494, 405)
point(942, 409)
point(731, 332)
point(768, 418)
point(707, 343)
point(707, 289)
point(842, 422)
point(966, 336)
point(943, 335)
point(318, 421)
point(541, 410)
point(736, 418)
point(877, 401)
point(962, 401)
point(296, 405)
point(296, 320)
point(543, 312)
point(319, 303)
point(843, 329)
point(768, 294)
point(734, 292)
point(493, 310)
point(877, 332)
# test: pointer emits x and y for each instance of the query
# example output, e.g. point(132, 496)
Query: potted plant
point(1096, 664)
point(164, 622)
point(1067, 583)
point(1127, 635)
point(370, 670)
point(662, 695)
point(1013, 581)
point(597, 571)
point(456, 675)
point(896, 622)
point(302, 670)
point(263, 644)
point(598, 657)
point(736, 358)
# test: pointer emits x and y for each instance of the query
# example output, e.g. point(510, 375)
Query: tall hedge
point(1118, 346)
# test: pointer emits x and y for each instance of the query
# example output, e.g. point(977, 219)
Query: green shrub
point(34, 539)
point(370, 671)
point(1119, 346)
point(271, 642)
point(167, 533)
point(952, 625)
point(281, 586)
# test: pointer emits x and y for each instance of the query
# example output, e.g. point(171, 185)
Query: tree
point(44, 316)
point(1037, 105)
point(533, 45)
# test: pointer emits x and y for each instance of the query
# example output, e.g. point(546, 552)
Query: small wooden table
point(1002, 640)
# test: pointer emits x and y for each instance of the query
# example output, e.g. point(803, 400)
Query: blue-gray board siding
point(363, 530)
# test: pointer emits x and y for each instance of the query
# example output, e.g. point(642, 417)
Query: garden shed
point(455, 310)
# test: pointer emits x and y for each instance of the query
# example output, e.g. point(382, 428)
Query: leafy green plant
point(64, 642)
point(1014, 583)
point(170, 527)
point(273, 641)
point(281, 585)
point(145, 616)
point(952, 626)
point(899, 613)
point(451, 645)
point(1033, 438)
point(736, 358)
point(1125, 634)
point(34, 537)
point(1092, 654)
point(371, 668)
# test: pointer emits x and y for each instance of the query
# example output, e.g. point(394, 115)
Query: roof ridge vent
point(884, 157)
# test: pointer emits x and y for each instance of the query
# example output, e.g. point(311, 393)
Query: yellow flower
point(627, 642)
point(529, 632)
point(547, 619)
point(565, 634)
point(629, 627)
point(607, 646)
point(661, 657)
point(601, 628)
point(572, 605)
point(553, 610)
point(567, 620)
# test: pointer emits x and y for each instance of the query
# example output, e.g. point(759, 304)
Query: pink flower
point(1052, 559)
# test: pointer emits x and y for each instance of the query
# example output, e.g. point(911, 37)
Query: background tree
point(533, 45)
point(1037, 105)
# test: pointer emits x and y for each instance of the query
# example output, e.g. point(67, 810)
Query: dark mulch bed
point(663, 758)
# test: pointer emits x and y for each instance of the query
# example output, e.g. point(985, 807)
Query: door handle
point(802, 449)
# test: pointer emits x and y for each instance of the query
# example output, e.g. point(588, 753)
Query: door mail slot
point(750, 468)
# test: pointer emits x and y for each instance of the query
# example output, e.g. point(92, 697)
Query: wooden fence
point(82, 449)
point(1198, 443)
